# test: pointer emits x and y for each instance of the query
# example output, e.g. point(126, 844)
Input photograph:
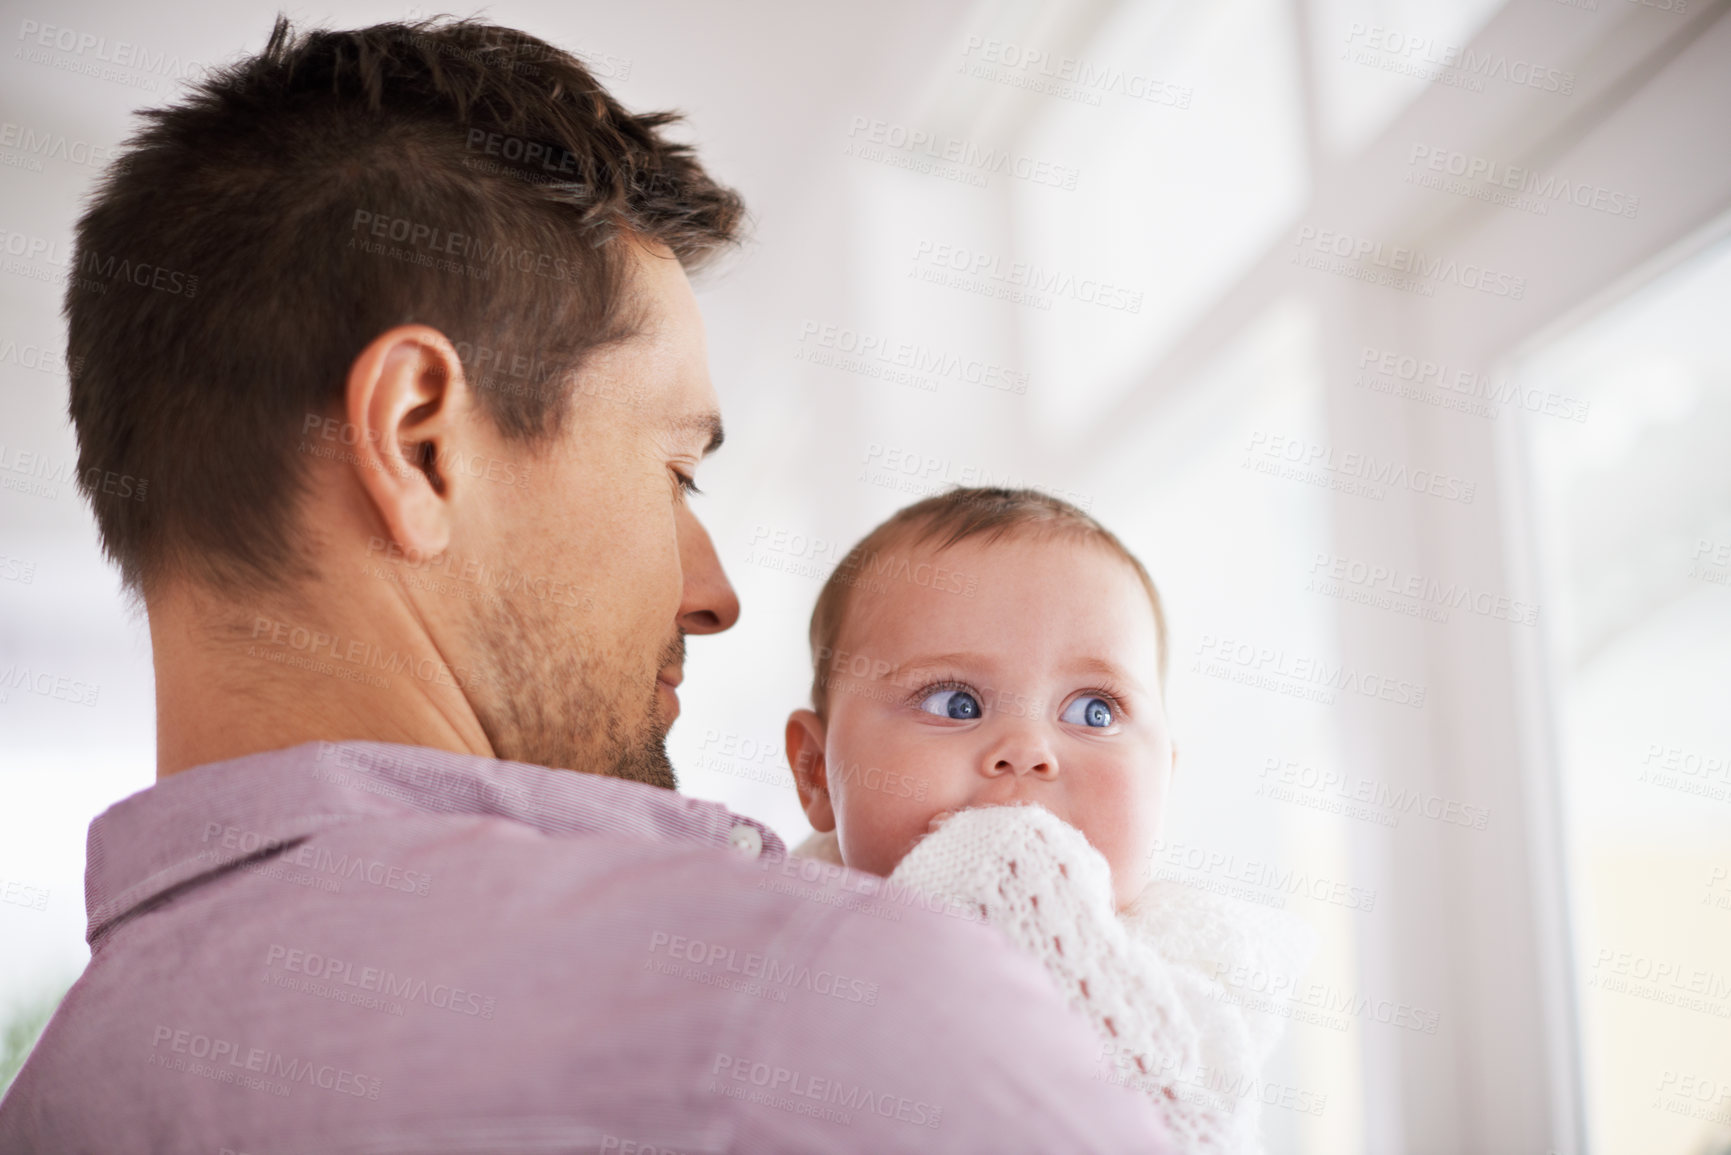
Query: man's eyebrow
point(709, 422)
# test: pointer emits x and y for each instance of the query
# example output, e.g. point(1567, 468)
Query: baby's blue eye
point(952, 704)
point(1088, 712)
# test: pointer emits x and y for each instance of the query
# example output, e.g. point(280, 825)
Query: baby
point(1003, 652)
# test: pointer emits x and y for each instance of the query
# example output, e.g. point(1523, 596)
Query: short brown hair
point(990, 513)
point(258, 234)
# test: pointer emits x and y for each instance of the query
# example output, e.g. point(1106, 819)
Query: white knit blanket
point(1149, 979)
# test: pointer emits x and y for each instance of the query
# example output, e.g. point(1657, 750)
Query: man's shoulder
point(469, 863)
point(374, 967)
point(596, 875)
point(510, 906)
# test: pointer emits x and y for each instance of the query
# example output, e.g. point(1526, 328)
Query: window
point(1634, 508)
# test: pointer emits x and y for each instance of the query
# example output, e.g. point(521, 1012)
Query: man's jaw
point(643, 755)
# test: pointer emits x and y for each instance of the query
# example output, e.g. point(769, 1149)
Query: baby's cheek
point(876, 829)
point(1122, 825)
point(875, 849)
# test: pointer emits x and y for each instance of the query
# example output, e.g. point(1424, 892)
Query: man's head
point(398, 318)
point(986, 647)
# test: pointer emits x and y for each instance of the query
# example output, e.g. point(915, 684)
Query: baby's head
point(984, 647)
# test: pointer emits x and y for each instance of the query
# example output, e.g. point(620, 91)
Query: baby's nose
point(1019, 747)
point(1032, 759)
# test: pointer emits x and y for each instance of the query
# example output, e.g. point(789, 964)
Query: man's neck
point(235, 679)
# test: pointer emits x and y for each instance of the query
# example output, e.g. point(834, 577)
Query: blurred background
point(1395, 337)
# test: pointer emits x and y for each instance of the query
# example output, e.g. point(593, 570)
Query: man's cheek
point(650, 573)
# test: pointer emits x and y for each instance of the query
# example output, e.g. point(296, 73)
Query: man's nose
point(708, 604)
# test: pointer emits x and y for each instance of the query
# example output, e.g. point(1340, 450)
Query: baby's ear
point(805, 740)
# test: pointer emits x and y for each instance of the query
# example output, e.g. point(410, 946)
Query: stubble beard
point(555, 701)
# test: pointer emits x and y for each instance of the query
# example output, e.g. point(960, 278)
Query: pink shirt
point(360, 947)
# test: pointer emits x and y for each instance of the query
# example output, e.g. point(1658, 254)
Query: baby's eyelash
point(927, 691)
point(1116, 699)
point(1113, 697)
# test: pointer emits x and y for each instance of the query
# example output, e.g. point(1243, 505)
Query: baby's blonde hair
point(948, 518)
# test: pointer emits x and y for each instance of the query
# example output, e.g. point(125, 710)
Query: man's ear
point(404, 402)
point(805, 738)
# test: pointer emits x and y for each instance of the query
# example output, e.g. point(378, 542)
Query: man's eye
point(687, 485)
point(1095, 712)
point(958, 704)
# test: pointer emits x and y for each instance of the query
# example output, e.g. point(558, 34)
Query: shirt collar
point(203, 821)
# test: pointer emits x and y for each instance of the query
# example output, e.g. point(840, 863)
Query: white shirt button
point(747, 839)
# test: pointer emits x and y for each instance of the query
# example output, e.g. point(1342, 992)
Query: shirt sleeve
point(1158, 1005)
